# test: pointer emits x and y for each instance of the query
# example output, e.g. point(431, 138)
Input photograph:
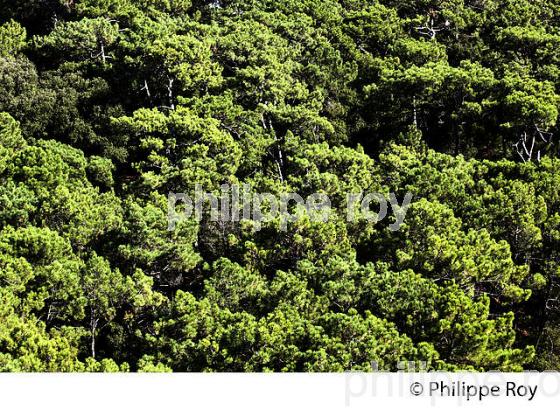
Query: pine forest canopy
point(108, 105)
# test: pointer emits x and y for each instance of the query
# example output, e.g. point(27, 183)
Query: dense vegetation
point(107, 105)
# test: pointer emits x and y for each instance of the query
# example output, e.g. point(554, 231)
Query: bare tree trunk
point(103, 57)
point(93, 329)
point(414, 113)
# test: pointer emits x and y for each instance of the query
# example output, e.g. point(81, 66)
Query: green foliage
point(107, 106)
point(207, 337)
point(12, 38)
